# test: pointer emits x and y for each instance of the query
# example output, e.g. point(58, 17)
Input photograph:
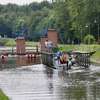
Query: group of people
point(64, 58)
point(61, 57)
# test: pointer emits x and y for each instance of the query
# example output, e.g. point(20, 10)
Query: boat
point(76, 58)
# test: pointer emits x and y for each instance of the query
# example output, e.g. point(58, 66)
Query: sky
point(19, 2)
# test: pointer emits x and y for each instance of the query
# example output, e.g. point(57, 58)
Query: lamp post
point(81, 33)
point(98, 32)
point(88, 26)
point(98, 26)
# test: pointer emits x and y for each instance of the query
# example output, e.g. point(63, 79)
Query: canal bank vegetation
point(83, 48)
point(3, 96)
point(12, 42)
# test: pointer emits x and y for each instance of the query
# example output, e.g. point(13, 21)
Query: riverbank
point(3, 96)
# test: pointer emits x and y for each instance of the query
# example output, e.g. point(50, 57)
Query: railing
point(47, 58)
point(12, 51)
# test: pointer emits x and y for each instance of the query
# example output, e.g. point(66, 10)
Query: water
point(38, 82)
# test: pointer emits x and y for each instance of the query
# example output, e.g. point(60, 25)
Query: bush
point(10, 42)
point(55, 49)
point(3, 42)
point(89, 39)
point(3, 96)
point(7, 42)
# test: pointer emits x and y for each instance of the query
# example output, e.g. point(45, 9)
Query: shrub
point(3, 42)
point(89, 39)
point(55, 49)
point(3, 96)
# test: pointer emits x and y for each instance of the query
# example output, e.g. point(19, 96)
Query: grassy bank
point(84, 48)
point(12, 42)
point(2, 96)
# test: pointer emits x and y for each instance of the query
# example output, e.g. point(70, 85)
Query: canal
point(39, 82)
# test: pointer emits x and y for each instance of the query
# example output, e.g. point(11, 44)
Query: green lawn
point(12, 42)
point(82, 47)
point(2, 96)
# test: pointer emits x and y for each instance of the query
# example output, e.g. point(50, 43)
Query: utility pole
point(98, 26)
point(98, 33)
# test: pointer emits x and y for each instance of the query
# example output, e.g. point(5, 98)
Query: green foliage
point(3, 42)
point(2, 96)
point(66, 47)
point(69, 17)
point(96, 56)
point(15, 20)
point(89, 39)
point(11, 42)
point(55, 49)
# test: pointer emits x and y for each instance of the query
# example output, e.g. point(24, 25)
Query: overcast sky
point(19, 2)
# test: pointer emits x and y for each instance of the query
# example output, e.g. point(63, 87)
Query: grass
point(12, 42)
point(30, 44)
point(2, 96)
point(96, 57)
point(82, 47)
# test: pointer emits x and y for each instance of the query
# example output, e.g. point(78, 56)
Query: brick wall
point(20, 45)
point(53, 36)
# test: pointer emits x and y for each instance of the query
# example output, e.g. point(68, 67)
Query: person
point(3, 59)
point(73, 59)
point(46, 43)
point(69, 63)
point(63, 58)
point(49, 45)
point(59, 54)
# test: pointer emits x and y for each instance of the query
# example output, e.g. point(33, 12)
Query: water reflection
point(75, 93)
point(49, 75)
point(17, 61)
point(79, 86)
